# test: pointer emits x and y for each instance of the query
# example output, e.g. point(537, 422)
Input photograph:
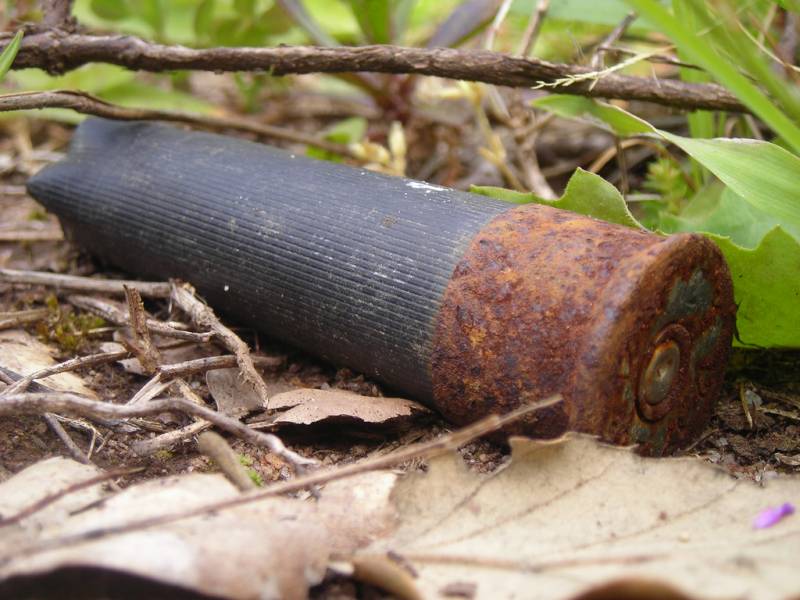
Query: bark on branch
point(57, 51)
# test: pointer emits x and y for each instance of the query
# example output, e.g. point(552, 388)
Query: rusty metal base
point(633, 329)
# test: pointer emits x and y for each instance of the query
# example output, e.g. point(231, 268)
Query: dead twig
point(147, 447)
point(32, 235)
point(84, 284)
point(533, 28)
point(110, 312)
point(90, 105)
point(66, 403)
point(203, 317)
point(12, 319)
point(57, 51)
point(57, 14)
point(73, 364)
point(73, 449)
point(210, 363)
point(70, 489)
point(416, 451)
point(141, 344)
point(611, 39)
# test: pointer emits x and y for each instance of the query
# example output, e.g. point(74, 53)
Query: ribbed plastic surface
point(348, 264)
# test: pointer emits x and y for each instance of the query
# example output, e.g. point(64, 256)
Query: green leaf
point(699, 50)
point(375, 19)
point(764, 174)
point(113, 10)
point(606, 116)
point(766, 286)
point(9, 54)
point(586, 193)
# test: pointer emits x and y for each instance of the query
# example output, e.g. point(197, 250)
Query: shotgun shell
point(464, 302)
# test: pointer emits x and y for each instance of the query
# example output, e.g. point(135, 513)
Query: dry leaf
point(273, 548)
point(234, 395)
point(24, 354)
point(566, 516)
point(307, 406)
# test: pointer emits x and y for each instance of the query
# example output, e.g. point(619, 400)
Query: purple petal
point(770, 516)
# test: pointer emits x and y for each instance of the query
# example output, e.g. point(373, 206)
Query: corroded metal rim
point(632, 328)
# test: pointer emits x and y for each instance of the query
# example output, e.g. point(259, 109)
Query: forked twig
point(203, 317)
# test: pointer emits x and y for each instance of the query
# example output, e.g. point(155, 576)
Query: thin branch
point(72, 404)
point(73, 449)
point(84, 284)
point(57, 14)
point(80, 362)
point(70, 489)
point(611, 39)
point(57, 52)
point(90, 105)
point(113, 314)
point(534, 27)
point(203, 317)
point(211, 363)
point(422, 450)
point(21, 317)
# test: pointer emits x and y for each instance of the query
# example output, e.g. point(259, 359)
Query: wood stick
point(58, 51)
point(84, 284)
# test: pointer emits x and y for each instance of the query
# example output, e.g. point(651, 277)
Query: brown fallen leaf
point(234, 395)
point(273, 548)
point(567, 516)
point(24, 354)
point(308, 406)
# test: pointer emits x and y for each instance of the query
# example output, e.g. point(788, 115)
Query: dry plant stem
point(80, 362)
point(73, 404)
point(89, 105)
point(611, 39)
point(214, 446)
point(533, 28)
point(57, 14)
point(149, 390)
point(72, 447)
point(112, 313)
point(141, 344)
point(51, 235)
point(83, 284)
point(166, 440)
point(204, 318)
point(499, 17)
point(56, 52)
point(70, 489)
point(210, 363)
point(12, 319)
point(422, 450)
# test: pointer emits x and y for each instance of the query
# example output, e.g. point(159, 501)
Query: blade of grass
point(9, 54)
point(701, 52)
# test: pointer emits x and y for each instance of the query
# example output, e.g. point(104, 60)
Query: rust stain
point(634, 329)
